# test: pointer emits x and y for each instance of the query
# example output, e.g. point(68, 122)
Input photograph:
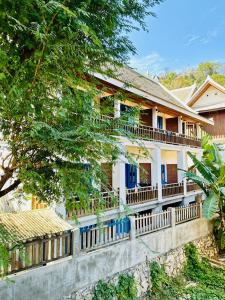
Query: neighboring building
point(209, 101)
point(185, 93)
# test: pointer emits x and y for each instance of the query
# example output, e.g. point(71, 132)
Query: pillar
point(182, 164)
point(118, 178)
point(154, 117)
point(75, 241)
point(199, 131)
point(116, 108)
point(132, 228)
point(180, 122)
point(156, 171)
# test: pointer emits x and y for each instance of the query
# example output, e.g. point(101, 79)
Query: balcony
point(154, 134)
point(135, 196)
point(191, 187)
point(141, 195)
point(107, 201)
point(173, 189)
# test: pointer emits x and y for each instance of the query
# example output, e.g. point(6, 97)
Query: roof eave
point(186, 111)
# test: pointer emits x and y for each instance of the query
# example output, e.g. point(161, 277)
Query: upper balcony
point(149, 133)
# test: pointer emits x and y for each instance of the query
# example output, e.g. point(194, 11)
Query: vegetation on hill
point(175, 80)
point(198, 281)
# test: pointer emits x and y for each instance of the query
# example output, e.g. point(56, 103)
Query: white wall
point(211, 96)
point(60, 278)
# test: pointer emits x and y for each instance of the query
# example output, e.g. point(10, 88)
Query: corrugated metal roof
point(33, 224)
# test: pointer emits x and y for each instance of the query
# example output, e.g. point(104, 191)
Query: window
point(159, 122)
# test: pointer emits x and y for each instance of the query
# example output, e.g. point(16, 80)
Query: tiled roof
point(33, 224)
point(185, 93)
point(154, 88)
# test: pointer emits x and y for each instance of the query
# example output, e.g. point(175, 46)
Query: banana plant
point(210, 178)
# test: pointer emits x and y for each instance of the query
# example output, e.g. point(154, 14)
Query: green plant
point(124, 290)
point(104, 291)
point(164, 286)
point(211, 180)
point(198, 281)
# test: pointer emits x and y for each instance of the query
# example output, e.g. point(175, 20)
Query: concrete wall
point(59, 279)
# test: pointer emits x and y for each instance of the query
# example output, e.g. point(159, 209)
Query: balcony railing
point(187, 213)
point(141, 195)
point(192, 186)
point(173, 189)
point(155, 134)
point(106, 201)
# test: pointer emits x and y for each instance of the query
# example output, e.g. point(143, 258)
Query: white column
point(198, 127)
point(182, 164)
point(180, 124)
point(75, 241)
point(154, 117)
point(118, 179)
point(156, 171)
point(116, 108)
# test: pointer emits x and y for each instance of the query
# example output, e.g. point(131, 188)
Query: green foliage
point(199, 280)
point(164, 286)
point(210, 280)
point(211, 180)
point(124, 290)
point(48, 51)
point(173, 80)
point(104, 291)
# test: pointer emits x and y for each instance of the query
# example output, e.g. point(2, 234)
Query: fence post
point(132, 228)
point(75, 241)
point(173, 226)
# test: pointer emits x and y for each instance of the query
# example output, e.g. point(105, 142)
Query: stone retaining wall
point(173, 262)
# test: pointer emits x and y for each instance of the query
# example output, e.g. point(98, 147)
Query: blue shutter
point(163, 174)
point(131, 176)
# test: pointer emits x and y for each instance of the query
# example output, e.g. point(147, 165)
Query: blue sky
point(184, 33)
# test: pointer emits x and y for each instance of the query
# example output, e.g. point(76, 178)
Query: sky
point(184, 33)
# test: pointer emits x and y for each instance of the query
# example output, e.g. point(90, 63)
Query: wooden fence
point(99, 236)
point(186, 213)
point(173, 189)
point(141, 194)
point(107, 201)
point(39, 252)
point(152, 222)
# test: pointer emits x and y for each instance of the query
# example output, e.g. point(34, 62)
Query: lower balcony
point(134, 196)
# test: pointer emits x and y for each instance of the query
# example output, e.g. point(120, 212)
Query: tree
point(49, 49)
point(173, 80)
point(211, 180)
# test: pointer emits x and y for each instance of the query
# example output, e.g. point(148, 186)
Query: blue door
point(160, 122)
point(131, 176)
point(163, 174)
